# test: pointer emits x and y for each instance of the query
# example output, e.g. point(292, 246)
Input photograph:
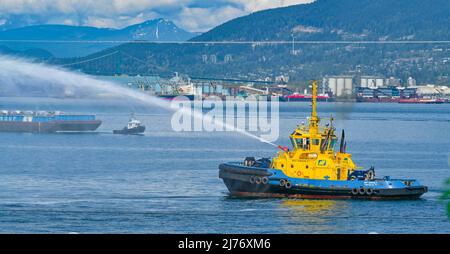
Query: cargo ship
point(314, 169)
point(46, 122)
point(176, 87)
point(378, 99)
point(306, 97)
point(421, 101)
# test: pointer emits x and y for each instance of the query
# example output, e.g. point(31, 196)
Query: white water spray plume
point(16, 73)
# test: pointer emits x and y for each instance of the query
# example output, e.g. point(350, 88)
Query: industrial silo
point(332, 85)
point(371, 83)
point(340, 86)
point(348, 86)
point(379, 82)
point(364, 82)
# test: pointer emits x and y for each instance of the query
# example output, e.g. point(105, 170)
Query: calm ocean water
point(167, 182)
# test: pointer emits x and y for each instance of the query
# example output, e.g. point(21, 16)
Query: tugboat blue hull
point(244, 181)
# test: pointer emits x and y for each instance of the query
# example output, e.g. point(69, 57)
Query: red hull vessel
point(421, 101)
point(305, 97)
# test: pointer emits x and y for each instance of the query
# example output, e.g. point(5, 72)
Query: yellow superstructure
point(313, 155)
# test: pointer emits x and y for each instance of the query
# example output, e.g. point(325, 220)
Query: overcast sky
point(192, 15)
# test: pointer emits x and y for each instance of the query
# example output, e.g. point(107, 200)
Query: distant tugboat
point(134, 126)
point(312, 169)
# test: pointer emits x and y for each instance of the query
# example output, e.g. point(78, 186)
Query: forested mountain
point(323, 20)
point(35, 53)
point(341, 20)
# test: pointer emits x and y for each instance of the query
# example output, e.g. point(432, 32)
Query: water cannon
point(284, 148)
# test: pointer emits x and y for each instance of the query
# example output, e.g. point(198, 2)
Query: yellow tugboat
point(313, 169)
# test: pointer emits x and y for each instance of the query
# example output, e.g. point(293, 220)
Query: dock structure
point(201, 86)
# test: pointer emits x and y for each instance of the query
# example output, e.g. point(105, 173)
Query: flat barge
point(46, 122)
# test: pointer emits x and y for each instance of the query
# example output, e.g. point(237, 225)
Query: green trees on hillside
point(323, 20)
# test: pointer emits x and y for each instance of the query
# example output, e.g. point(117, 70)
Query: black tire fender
point(288, 185)
point(370, 175)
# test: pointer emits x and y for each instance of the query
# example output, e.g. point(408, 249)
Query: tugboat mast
point(314, 121)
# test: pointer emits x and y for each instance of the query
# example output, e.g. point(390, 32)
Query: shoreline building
point(340, 86)
point(372, 82)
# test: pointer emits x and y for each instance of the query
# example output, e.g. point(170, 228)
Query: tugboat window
point(299, 142)
point(303, 143)
point(333, 143)
point(294, 143)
